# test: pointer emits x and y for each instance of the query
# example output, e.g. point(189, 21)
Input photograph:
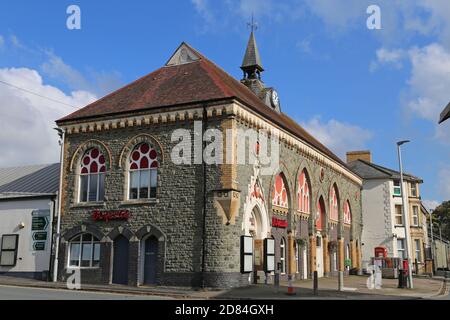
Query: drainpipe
point(204, 124)
point(62, 135)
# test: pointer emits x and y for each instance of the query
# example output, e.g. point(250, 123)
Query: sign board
point(269, 255)
point(246, 254)
point(40, 222)
point(279, 223)
point(106, 216)
point(348, 262)
point(39, 246)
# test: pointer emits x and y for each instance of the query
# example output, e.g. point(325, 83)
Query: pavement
point(354, 288)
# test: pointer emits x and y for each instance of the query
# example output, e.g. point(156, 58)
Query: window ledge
point(138, 202)
point(88, 205)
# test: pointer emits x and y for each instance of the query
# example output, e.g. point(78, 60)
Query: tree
point(441, 218)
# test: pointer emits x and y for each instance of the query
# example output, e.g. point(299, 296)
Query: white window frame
point(398, 215)
point(402, 249)
point(417, 250)
point(80, 242)
point(415, 216)
point(139, 183)
point(97, 196)
point(283, 255)
point(397, 188)
point(413, 186)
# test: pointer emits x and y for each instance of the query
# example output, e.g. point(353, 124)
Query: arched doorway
point(320, 226)
point(120, 263)
point(255, 227)
point(150, 260)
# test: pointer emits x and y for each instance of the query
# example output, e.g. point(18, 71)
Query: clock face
point(275, 98)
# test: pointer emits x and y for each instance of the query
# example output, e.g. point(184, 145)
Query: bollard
point(341, 281)
point(401, 279)
point(291, 290)
point(316, 283)
point(277, 281)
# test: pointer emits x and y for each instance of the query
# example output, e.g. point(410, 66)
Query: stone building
point(131, 214)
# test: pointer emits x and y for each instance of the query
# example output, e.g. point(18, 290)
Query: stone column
point(341, 254)
point(291, 255)
point(312, 254)
point(326, 256)
point(353, 254)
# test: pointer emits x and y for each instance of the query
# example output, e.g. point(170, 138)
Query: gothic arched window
point(143, 169)
point(347, 213)
point(303, 193)
point(92, 176)
point(279, 194)
point(334, 205)
point(84, 251)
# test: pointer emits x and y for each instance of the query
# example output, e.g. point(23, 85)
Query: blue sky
point(352, 87)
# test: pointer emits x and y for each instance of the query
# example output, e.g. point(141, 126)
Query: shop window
point(84, 251)
point(92, 176)
point(143, 169)
point(8, 255)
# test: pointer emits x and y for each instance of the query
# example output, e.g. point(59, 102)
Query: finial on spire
point(252, 25)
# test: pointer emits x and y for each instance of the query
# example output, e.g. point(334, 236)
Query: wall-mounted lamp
point(21, 225)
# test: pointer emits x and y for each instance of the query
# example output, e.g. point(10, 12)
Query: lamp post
point(61, 134)
point(432, 240)
point(405, 220)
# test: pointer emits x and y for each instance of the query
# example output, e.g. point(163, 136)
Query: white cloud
point(2, 41)
point(429, 82)
point(203, 8)
point(338, 136)
point(27, 121)
point(392, 57)
point(444, 182)
point(431, 204)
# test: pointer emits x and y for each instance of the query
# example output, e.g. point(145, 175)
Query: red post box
point(380, 252)
point(405, 266)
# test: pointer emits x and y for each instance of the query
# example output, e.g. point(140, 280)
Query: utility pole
point(58, 222)
point(433, 252)
point(405, 218)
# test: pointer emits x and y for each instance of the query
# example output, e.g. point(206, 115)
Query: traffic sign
point(39, 246)
point(39, 223)
point(40, 236)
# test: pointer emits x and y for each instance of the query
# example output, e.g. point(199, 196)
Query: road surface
point(25, 293)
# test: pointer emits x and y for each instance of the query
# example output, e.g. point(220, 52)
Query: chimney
point(359, 155)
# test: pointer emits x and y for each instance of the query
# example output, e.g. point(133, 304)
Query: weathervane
point(253, 25)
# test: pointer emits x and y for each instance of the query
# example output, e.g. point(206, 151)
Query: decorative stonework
point(227, 204)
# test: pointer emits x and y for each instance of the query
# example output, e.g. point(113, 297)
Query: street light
point(405, 220)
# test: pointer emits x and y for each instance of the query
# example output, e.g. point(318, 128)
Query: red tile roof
point(194, 82)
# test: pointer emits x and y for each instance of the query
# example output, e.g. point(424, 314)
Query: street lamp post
point(432, 241)
point(405, 220)
point(61, 134)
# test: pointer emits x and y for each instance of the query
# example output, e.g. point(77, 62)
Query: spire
point(252, 65)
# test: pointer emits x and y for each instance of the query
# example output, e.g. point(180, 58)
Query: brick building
point(131, 215)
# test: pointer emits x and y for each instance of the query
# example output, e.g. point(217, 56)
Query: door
point(151, 259)
point(120, 264)
point(319, 256)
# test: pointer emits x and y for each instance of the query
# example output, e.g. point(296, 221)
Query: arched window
point(347, 213)
point(279, 194)
point(334, 205)
point(320, 218)
point(143, 168)
point(84, 251)
point(283, 255)
point(303, 193)
point(92, 176)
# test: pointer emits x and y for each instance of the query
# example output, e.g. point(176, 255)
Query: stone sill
point(88, 205)
point(138, 202)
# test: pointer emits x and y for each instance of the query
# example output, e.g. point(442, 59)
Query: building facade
point(384, 225)
point(27, 206)
point(142, 205)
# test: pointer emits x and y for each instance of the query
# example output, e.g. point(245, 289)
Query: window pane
point(83, 188)
point(101, 187)
point(144, 184)
point(87, 237)
point(134, 183)
point(74, 254)
point(9, 242)
point(96, 257)
point(93, 187)
point(153, 183)
point(86, 255)
point(7, 258)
